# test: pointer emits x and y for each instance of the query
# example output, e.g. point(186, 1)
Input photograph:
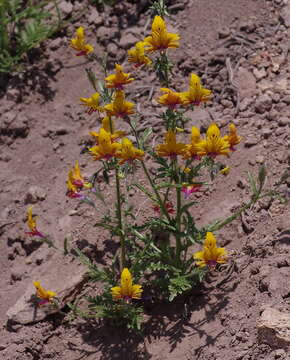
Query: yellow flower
point(190, 151)
point(119, 107)
point(92, 103)
point(196, 93)
point(160, 39)
point(118, 80)
point(128, 152)
point(186, 170)
point(211, 255)
point(44, 295)
point(31, 223)
point(106, 125)
point(170, 148)
point(78, 43)
point(214, 144)
point(171, 98)
point(137, 55)
point(225, 171)
point(127, 290)
point(233, 137)
point(106, 148)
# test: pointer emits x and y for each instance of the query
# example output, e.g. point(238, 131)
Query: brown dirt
point(43, 130)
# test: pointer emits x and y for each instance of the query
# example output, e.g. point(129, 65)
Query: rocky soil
point(241, 50)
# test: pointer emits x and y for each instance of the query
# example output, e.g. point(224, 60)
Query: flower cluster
point(159, 40)
point(195, 95)
point(212, 145)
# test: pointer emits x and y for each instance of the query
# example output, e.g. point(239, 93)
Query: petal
point(116, 292)
point(199, 255)
point(136, 291)
point(210, 240)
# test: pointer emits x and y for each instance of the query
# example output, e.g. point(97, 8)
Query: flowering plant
point(158, 251)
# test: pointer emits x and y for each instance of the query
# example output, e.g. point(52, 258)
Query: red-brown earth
point(43, 130)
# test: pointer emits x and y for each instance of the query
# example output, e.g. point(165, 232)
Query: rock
point(283, 121)
point(65, 7)
point(274, 328)
point(112, 49)
point(227, 103)
point(259, 73)
point(246, 83)
point(65, 279)
point(14, 125)
point(35, 193)
point(260, 159)
point(251, 141)
point(104, 34)
point(278, 286)
point(281, 85)
point(55, 130)
point(282, 261)
point(199, 118)
point(95, 18)
point(286, 99)
point(16, 275)
point(245, 103)
point(266, 132)
point(127, 41)
point(13, 94)
point(263, 104)
point(265, 85)
point(285, 15)
point(248, 26)
point(55, 43)
point(280, 353)
point(224, 32)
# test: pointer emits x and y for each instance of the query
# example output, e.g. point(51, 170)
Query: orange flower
point(137, 55)
point(45, 296)
point(118, 80)
point(92, 103)
point(191, 150)
point(119, 107)
point(127, 290)
point(160, 39)
point(171, 98)
point(78, 43)
point(170, 148)
point(106, 148)
point(214, 144)
point(31, 223)
point(211, 255)
point(233, 137)
point(196, 93)
point(106, 125)
point(128, 152)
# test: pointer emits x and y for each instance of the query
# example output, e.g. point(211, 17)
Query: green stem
point(178, 219)
point(160, 202)
point(119, 216)
point(119, 210)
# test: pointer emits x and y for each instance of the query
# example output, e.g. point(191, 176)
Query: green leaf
point(178, 286)
point(252, 183)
